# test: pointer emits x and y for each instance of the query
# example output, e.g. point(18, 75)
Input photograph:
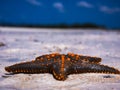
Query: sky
point(101, 12)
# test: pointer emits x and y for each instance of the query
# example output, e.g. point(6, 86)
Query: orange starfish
point(61, 65)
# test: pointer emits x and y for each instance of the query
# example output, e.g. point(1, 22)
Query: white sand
point(24, 44)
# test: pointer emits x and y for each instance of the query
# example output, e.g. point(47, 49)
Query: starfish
point(62, 65)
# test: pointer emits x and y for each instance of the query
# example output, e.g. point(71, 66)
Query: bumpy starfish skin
point(61, 65)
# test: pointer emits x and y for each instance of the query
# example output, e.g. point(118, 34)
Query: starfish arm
point(58, 72)
point(28, 67)
point(94, 68)
point(91, 59)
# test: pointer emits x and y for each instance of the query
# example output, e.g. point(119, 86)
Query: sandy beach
point(24, 44)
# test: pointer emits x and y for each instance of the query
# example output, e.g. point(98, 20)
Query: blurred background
point(61, 13)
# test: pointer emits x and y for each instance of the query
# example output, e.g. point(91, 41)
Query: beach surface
point(24, 44)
